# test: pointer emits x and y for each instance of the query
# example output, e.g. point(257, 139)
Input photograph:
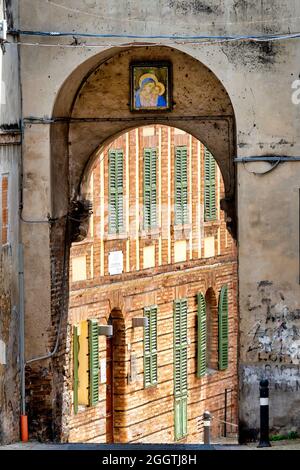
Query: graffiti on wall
point(282, 378)
point(275, 334)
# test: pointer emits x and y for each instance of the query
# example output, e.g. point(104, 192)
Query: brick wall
point(147, 415)
point(144, 420)
point(134, 238)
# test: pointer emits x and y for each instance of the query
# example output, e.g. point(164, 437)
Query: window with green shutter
point(180, 368)
point(75, 368)
point(116, 172)
point(223, 328)
point(201, 340)
point(93, 362)
point(181, 186)
point(150, 206)
point(210, 208)
point(150, 347)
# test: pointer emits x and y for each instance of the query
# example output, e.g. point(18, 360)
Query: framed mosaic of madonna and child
point(150, 86)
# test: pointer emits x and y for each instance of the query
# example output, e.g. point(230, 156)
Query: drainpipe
point(23, 417)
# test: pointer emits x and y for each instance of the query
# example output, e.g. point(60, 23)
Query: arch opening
point(91, 110)
point(212, 329)
point(157, 237)
point(100, 110)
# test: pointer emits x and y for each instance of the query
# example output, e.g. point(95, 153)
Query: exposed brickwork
point(147, 415)
point(143, 407)
point(137, 411)
point(39, 382)
point(46, 380)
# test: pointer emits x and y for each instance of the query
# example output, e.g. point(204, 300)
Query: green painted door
point(180, 368)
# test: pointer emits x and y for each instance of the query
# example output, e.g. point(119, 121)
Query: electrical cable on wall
point(273, 160)
point(256, 173)
point(165, 40)
point(238, 37)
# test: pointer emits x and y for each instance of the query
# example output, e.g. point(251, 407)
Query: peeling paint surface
point(275, 333)
point(284, 393)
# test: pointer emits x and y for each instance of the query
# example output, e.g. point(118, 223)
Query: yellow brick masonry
point(147, 415)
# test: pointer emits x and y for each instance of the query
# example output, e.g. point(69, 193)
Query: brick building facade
point(157, 248)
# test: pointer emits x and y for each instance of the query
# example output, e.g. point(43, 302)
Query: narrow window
point(181, 186)
point(202, 344)
point(150, 206)
point(223, 328)
point(116, 171)
point(210, 210)
point(150, 347)
point(180, 368)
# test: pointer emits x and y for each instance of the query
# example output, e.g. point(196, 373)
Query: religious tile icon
point(150, 86)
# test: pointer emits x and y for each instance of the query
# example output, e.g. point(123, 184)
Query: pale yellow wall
point(79, 268)
point(209, 247)
point(149, 257)
point(147, 131)
point(180, 251)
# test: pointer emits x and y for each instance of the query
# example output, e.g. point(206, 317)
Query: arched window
point(207, 339)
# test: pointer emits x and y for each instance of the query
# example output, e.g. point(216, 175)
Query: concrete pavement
point(34, 445)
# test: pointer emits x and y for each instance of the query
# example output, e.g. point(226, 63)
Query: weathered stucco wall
point(9, 307)
point(9, 312)
point(258, 78)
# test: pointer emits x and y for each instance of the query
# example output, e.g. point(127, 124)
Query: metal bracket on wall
point(140, 321)
point(105, 330)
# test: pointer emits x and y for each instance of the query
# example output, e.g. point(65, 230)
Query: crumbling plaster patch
point(274, 333)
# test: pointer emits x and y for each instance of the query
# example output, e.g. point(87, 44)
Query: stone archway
point(91, 109)
point(89, 117)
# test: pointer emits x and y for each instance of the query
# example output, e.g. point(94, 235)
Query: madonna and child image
point(150, 89)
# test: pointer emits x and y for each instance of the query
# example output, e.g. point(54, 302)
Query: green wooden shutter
point(180, 368)
point(178, 418)
point(150, 347)
point(116, 189)
point(120, 190)
point(112, 193)
point(93, 362)
point(181, 186)
point(150, 204)
point(210, 208)
point(180, 346)
point(153, 340)
point(223, 328)
point(201, 340)
point(75, 368)
point(177, 347)
point(183, 412)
